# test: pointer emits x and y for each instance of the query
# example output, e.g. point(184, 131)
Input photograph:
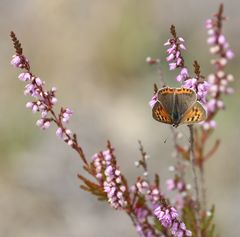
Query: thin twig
point(161, 77)
point(195, 180)
point(203, 189)
point(179, 159)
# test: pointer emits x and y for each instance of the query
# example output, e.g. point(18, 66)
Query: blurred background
point(94, 52)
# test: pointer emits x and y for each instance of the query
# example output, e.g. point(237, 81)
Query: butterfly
point(178, 106)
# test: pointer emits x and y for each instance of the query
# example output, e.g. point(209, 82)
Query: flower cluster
point(20, 61)
point(151, 212)
point(44, 100)
point(201, 88)
point(168, 216)
point(151, 192)
point(217, 40)
point(176, 183)
point(143, 227)
point(153, 100)
point(219, 81)
point(111, 179)
point(174, 58)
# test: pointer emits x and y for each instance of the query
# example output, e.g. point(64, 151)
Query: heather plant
point(150, 209)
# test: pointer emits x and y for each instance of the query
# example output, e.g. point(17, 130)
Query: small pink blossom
point(59, 133)
point(24, 76)
point(170, 184)
point(38, 81)
point(168, 217)
point(172, 66)
point(153, 101)
point(66, 115)
point(16, 61)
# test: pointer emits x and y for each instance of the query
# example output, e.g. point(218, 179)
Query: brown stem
point(179, 159)
point(195, 180)
point(203, 189)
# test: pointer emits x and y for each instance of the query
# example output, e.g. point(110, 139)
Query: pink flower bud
point(29, 105)
point(182, 46)
point(25, 76)
point(221, 39)
point(170, 57)
point(172, 66)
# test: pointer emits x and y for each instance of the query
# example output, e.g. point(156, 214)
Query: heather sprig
point(108, 184)
point(44, 101)
point(219, 80)
point(151, 211)
point(110, 178)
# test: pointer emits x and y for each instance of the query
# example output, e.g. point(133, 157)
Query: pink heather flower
point(25, 76)
point(180, 186)
point(229, 54)
point(183, 75)
point(211, 40)
point(172, 66)
point(66, 115)
point(179, 202)
point(182, 46)
point(209, 24)
point(179, 61)
point(170, 57)
point(16, 61)
point(217, 41)
point(200, 88)
point(44, 100)
point(151, 193)
point(179, 78)
point(99, 165)
point(38, 81)
point(184, 72)
point(153, 101)
point(174, 57)
point(221, 39)
point(54, 100)
point(190, 83)
point(44, 114)
point(167, 43)
point(70, 142)
point(32, 90)
point(59, 133)
point(202, 91)
point(209, 124)
point(168, 217)
point(35, 108)
point(110, 177)
point(170, 184)
point(43, 124)
point(19, 61)
point(54, 89)
point(29, 105)
point(143, 227)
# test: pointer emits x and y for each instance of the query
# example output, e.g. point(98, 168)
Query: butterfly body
point(177, 106)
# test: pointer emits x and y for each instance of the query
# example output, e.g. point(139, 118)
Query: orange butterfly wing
point(194, 114)
point(160, 114)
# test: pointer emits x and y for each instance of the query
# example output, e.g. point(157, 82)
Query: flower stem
point(203, 189)
point(195, 180)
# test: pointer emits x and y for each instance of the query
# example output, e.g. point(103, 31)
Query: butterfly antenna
point(166, 139)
